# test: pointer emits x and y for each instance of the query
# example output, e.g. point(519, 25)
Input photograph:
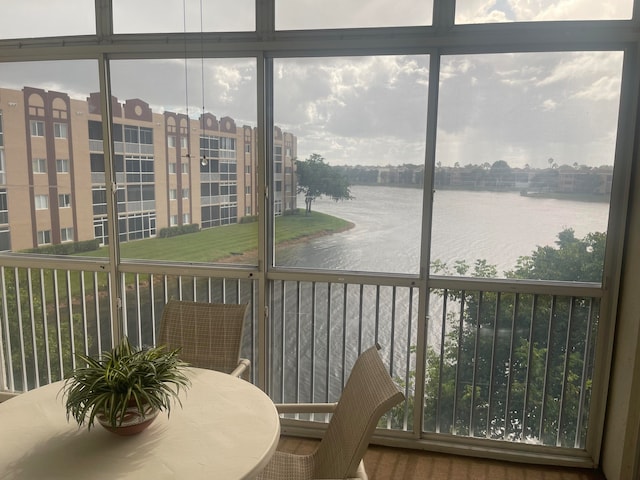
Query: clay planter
point(133, 421)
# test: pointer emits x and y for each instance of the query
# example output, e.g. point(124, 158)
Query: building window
point(64, 200)
point(39, 165)
point(4, 209)
point(247, 190)
point(60, 130)
point(66, 234)
point(172, 167)
point(184, 167)
point(173, 193)
point(184, 143)
point(247, 148)
point(247, 211)
point(131, 134)
point(185, 193)
point(171, 141)
point(42, 202)
point(62, 165)
point(247, 169)
point(44, 237)
point(186, 219)
point(173, 220)
point(37, 128)
point(1, 134)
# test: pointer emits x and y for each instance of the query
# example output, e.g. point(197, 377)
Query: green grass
point(226, 242)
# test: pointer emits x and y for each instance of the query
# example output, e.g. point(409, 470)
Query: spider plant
point(149, 379)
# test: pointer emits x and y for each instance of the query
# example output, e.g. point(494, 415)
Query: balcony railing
point(502, 363)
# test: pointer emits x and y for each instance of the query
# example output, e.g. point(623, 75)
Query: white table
point(226, 429)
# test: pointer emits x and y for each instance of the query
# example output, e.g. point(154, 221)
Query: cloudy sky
point(521, 108)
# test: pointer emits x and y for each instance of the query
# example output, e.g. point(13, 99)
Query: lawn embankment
point(229, 242)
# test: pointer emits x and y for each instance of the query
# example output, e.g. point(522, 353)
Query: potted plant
point(125, 388)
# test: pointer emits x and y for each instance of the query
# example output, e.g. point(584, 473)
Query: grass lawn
point(226, 242)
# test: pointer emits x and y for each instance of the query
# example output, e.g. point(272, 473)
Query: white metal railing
point(500, 364)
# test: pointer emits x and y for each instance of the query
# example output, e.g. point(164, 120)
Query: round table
point(226, 429)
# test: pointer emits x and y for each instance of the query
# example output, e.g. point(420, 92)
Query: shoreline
point(244, 257)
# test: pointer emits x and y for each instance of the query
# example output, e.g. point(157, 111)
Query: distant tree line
point(573, 179)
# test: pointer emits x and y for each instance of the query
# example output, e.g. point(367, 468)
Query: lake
point(467, 225)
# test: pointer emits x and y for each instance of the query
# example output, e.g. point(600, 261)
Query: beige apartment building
point(170, 170)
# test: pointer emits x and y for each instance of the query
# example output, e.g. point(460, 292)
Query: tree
point(316, 178)
point(508, 360)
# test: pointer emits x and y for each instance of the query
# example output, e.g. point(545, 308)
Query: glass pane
point(524, 164)
point(311, 14)
point(359, 122)
point(46, 18)
point(45, 175)
point(179, 166)
point(480, 11)
point(157, 16)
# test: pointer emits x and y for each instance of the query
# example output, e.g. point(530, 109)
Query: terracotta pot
point(133, 421)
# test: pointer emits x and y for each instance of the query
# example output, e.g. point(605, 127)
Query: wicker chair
point(368, 394)
point(208, 334)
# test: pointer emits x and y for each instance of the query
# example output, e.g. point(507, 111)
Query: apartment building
point(170, 170)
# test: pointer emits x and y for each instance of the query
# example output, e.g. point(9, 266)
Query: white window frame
point(39, 165)
point(41, 202)
point(44, 237)
point(66, 234)
point(60, 130)
point(62, 165)
point(64, 200)
point(37, 128)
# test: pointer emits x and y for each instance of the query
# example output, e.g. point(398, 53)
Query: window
point(146, 136)
point(185, 193)
point(41, 202)
point(64, 200)
point(1, 133)
point(173, 194)
point(247, 211)
point(66, 234)
point(172, 167)
point(173, 220)
point(184, 142)
point(39, 165)
point(48, 20)
point(131, 134)
point(247, 169)
point(217, 16)
point(4, 208)
point(62, 165)
point(171, 141)
point(184, 167)
point(247, 190)
point(309, 14)
point(186, 219)
point(37, 128)
point(60, 130)
point(44, 237)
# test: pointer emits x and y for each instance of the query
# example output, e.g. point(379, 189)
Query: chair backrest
point(369, 393)
point(208, 334)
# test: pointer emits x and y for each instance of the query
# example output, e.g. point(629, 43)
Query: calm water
point(495, 226)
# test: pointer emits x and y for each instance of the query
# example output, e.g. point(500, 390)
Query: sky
point(520, 108)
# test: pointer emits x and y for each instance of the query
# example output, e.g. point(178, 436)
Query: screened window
point(64, 200)
point(66, 234)
point(62, 165)
point(44, 237)
point(37, 128)
point(60, 130)
point(39, 165)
